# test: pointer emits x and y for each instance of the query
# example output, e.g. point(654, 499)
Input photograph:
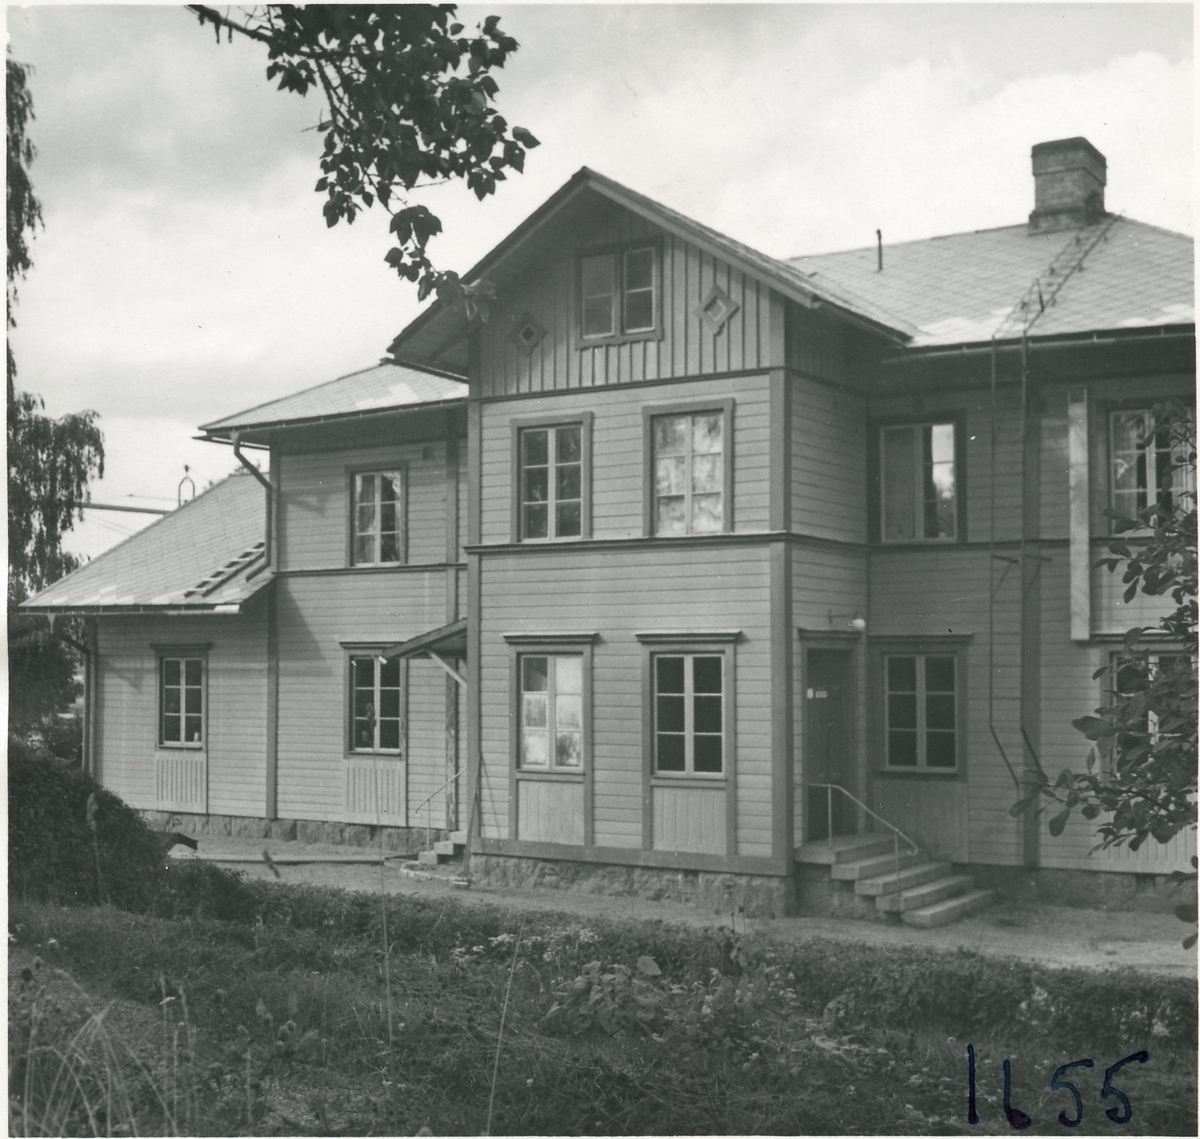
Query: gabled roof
point(206, 556)
point(439, 326)
point(386, 386)
point(961, 288)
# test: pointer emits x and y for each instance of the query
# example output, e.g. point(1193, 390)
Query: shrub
point(70, 841)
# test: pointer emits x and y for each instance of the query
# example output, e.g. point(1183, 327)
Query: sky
point(185, 271)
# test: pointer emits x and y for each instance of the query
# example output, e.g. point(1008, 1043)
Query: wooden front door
point(828, 750)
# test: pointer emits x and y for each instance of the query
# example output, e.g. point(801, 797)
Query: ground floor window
point(689, 713)
point(181, 701)
point(375, 704)
point(551, 697)
point(921, 711)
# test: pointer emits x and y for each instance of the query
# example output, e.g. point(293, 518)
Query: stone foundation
point(757, 895)
point(1084, 889)
point(402, 840)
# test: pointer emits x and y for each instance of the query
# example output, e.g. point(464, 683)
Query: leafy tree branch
point(409, 102)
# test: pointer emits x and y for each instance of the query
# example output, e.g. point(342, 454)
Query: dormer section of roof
point(603, 285)
point(1069, 176)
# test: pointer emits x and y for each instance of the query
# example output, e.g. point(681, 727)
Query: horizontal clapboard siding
point(975, 408)
point(945, 591)
point(615, 594)
point(314, 502)
point(618, 455)
point(829, 462)
point(314, 616)
point(236, 724)
point(687, 347)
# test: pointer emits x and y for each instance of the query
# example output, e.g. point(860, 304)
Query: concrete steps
point(446, 854)
point(921, 892)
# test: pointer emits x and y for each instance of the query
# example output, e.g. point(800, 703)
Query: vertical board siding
point(618, 471)
point(314, 502)
point(236, 712)
point(829, 462)
point(689, 819)
point(375, 791)
point(687, 346)
point(181, 781)
point(550, 811)
point(616, 593)
point(314, 615)
point(814, 347)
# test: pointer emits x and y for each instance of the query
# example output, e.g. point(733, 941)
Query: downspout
point(235, 438)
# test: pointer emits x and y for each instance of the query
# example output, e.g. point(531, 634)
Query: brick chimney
point(1069, 175)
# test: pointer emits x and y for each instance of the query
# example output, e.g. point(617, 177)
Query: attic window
point(528, 333)
point(619, 294)
point(717, 308)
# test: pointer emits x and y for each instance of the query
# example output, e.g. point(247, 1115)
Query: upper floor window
point(689, 713)
point(919, 483)
point(551, 488)
point(618, 293)
point(690, 471)
point(1148, 467)
point(375, 703)
point(181, 701)
point(921, 710)
point(378, 518)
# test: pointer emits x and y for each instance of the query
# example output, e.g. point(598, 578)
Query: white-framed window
point(918, 482)
point(689, 713)
point(181, 710)
point(377, 518)
point(921, 711)
point(551, 689)
point(689, 465)
point(551, 481)
point(376, 705)
point(1145, 467)
point(618, 293)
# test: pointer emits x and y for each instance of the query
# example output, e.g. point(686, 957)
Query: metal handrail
point(428, 809)
point(897, 833)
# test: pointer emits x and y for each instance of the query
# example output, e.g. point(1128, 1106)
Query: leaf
point(1189, 941)
point(648, 966)
point(525, 138)
point(1187, 913)
point(1059, 822)
point(1023, 805)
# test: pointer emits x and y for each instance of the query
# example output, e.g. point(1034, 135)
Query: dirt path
point(1050, 935)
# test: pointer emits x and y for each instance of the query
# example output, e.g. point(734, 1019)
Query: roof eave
point(223, 433)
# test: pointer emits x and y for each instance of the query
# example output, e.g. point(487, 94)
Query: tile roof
point(961, 288)
point(196, 558)
point(380, 388)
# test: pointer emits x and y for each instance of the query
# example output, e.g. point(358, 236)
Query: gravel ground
point(1051, 935)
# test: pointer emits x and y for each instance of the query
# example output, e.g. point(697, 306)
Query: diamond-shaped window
point(717, 308)
point(528, 333)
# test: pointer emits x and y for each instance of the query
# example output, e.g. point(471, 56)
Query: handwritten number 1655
point(1018, 1120)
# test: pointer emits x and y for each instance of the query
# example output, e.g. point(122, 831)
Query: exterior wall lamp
point(855, 622)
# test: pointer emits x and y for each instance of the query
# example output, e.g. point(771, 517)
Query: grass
point(278, 1023)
